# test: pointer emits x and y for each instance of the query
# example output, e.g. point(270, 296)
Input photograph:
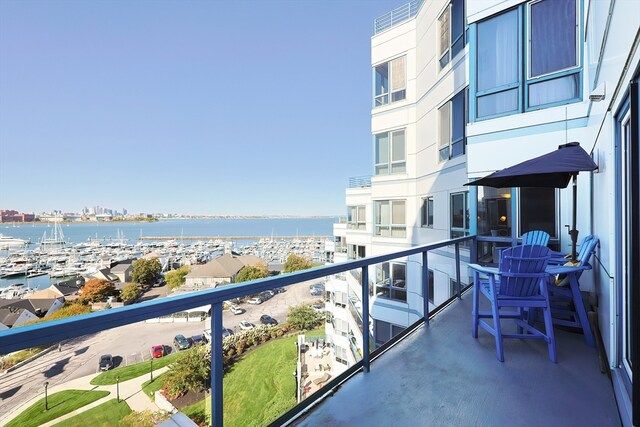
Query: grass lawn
point(150, 387)
point(60, 403)
point(106, 415)
point(132, 371)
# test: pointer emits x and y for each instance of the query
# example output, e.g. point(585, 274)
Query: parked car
point(265, 319)
point(206, 334)
point(255, 300)
point(180, 342)
point(106, 362)
point(318, 307)
point(246, 326)
point(157, 351)
point(280, 290)
point(159, 282)
point(226, 332)
point(315, 292)
point(236, 310)
point(197, 340)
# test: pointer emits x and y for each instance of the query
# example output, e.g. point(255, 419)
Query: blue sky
point(201, 107)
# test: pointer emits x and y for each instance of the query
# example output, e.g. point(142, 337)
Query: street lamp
point(46, 401)
point(118, 389)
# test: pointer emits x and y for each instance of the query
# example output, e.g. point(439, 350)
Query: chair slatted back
point(587, 248)
point(536, 237)
point(521, 269)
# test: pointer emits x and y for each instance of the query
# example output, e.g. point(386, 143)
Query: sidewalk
point(130, 391)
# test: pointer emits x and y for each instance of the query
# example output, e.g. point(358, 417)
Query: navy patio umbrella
point(553, 170)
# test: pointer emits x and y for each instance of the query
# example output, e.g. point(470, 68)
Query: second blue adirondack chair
point(519, 283)
point(536, 237)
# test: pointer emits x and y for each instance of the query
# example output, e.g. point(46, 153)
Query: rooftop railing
point(360, 181)
point(49, 332)
point(396, 16)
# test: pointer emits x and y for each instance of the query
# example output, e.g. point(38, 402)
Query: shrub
point(303, 317)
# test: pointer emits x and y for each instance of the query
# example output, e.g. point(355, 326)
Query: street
point(127, 344)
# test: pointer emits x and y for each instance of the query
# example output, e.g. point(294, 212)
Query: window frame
point(388, 284)
point(379, 227)
point(425, 212)
point(390, 164)
point(387, 97)
point(448, 51)
point(359, 223)
point(448, 146)
point(466, 221)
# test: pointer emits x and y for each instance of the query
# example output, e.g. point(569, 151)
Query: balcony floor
point(440, 375)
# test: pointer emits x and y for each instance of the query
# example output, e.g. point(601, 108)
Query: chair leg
point(496, 326)
point(476, 297)
point(521, 312)
point(580, 310)
point(548, 324)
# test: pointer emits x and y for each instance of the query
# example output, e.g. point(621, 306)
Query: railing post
point(365, 318)
point(457, 245)
point(425, 286)
point(216, 364)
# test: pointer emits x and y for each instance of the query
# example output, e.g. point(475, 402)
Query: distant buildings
point(15, 216)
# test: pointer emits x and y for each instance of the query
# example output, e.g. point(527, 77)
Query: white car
point(255, 300)
point(246, 326)
point(236, 310)
point(319, 308)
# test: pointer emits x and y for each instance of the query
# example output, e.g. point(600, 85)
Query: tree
point(190, 372)
point(176, 278)
point(303, 317)
point(130, 291)
point(252, 272)
point(146, 271)
point(96, 289)
point(296, 263)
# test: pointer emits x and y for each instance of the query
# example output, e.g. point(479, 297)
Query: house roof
point(121, 268)
point(68, 287)
point(227, 265)
point(50, 292)
point(33, 305)
point(8, 316)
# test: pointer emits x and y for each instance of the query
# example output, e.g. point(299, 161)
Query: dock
point(230, 238)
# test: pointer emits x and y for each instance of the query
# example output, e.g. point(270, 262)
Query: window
point(391, 281)
point(340, 326)
point(390, 81)
point(390, 153)
point(341, 355)
point(384, 331)
point(547, 73)
point(453, 118)
point(459, 214)
point(431, 286)
point(538, 210)
point(427, 212)
point(390, 218)
point(340, 299)
point(451, 37)
point(356, 252)
point(356, 218)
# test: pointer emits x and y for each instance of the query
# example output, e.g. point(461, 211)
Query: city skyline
point(202, 108)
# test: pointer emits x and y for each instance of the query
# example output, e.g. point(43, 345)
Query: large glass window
point(453, 118)
point(384, 331)
point(356, 252)
point(390, 155)
point(459, 214)
point(549, 71)
point(391, 281)
point(451, 25)
point(427, 212)
point(538, 211)
point(356, 218)
point(390, 81)
point(390, 218)
point(494, 212)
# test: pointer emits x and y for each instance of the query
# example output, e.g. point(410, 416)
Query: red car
point(157, 351)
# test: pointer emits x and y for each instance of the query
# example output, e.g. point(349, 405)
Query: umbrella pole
point(573, 232)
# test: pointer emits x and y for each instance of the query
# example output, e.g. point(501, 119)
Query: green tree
point(176, 278)
point(190, 372)
point(296, 263)
point(303, 317)
point(146, 271)
point(146, 418)
point(130, 291)
point(95, 290)
point(252, 272)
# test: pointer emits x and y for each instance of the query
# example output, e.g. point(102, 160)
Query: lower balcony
point(440, 375)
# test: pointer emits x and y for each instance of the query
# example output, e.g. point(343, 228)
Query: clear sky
point(191, 107)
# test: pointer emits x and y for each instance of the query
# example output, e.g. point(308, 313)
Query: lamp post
point(46, 401)
point(118, 389)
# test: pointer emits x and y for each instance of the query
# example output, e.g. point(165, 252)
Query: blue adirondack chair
point(564, 291)
point(536, 237)
point(521, 283)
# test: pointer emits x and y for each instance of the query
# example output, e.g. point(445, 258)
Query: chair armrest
point(483, 269)
point(565, 269)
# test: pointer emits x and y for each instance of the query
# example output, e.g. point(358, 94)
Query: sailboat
point(55, 240)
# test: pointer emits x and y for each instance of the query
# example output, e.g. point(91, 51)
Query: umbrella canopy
point(553, 170)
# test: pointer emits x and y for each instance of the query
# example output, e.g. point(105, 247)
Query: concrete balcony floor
point(441, 376)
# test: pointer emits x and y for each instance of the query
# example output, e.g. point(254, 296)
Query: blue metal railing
point(396, 16)
point(57, 330)
point(360, 181)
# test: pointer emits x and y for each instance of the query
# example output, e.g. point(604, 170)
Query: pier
point(229, 238)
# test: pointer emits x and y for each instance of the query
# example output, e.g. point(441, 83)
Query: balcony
point(433, 373)
point(360, 181)
point(396, 16)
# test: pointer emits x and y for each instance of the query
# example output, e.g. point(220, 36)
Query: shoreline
point(182, 218)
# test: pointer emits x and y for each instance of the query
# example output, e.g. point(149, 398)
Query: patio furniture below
point(323, 379)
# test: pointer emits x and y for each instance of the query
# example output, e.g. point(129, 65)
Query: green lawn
point(106, 415)
point(150, 387)
point(132, 371)
point(60, 403)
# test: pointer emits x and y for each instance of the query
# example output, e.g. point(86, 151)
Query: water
point(82, 232)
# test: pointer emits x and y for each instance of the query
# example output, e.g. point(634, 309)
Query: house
point(220, 271)
point(14, 316)
point(40, 307)
point(122, 271)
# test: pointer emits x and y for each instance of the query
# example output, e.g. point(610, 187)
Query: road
point(128, 344)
